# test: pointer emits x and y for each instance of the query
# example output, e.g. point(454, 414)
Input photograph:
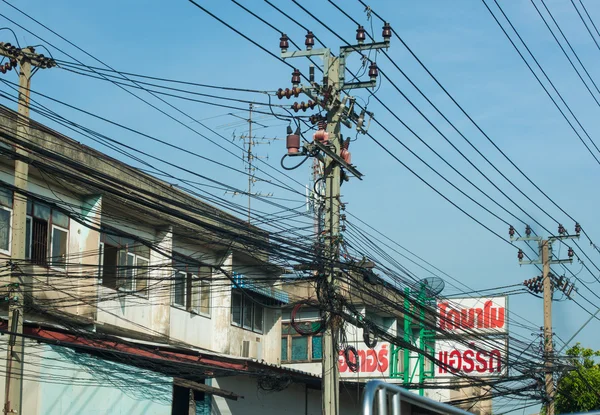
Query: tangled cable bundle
point(273, 383)
point(315, 327)
point(370, 341)
point(352, 365)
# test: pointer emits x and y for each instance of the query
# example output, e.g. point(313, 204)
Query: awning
point(241, 281)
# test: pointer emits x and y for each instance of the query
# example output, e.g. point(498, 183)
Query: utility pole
point(250, 175)
point(548, 346)
point(329, 147)
point(547, 284)
point(25, 58)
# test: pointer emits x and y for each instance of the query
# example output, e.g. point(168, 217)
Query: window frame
point(144, 292)
point(201, 285)
point(10, 228)
point(309, 348)
point(173, 303)
point(30, 215)
point(126, 250)
point(197, 280)
point(254, 305)
point(28, 223)
point(61, 267)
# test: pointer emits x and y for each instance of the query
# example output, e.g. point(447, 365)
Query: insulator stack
point(528, 230)
point(303, 106)
point(577, 228)
point(511, 231)
point(8, 66)
point(310, 40)
point(520, 255)
point(321, 135)
point(561, 229)
point(284, 43)
point(387, 32)
point(373, 71)
point(293, 141)
point(344, 153)
point(288, 93)
point(361, 34)
point(296, 77)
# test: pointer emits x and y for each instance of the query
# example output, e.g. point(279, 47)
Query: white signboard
point(482, 358)
point(373, 363)
point(487, 315)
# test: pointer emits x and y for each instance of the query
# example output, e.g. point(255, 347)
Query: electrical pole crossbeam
point(553, 262)
point(36, 60)
point(325, 149)
point(356, 85)
point(345, 50)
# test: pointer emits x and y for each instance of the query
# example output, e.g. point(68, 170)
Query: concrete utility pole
point(25, 58)
point(548, 344)
point(329, 146)
point(545, 259)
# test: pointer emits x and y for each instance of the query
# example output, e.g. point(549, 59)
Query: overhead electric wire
point(565, 52)
point(477, 126)
point(103, 63)
point(584, 22)
point(547, 78)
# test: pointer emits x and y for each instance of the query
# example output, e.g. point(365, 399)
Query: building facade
point(127, 278)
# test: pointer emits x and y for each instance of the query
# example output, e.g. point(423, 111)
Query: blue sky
point(458, 41)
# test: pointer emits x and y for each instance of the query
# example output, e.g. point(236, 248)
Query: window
point(191, 290)
point(284, 349)
point(124, 263)
point(58, 253)
point(47, 235)
point(6, 204)
point(298, 348)
point(236, 309)
point(246, 313)
point(179, 287)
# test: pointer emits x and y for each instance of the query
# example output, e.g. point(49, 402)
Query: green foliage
point(579, 388)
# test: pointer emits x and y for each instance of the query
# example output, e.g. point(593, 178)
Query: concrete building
point(141, 299)
point(380, 361)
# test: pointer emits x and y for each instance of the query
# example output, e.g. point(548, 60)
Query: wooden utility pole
point(26, 58)
point(545, 260)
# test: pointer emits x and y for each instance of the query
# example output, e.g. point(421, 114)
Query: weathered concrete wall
point(296, 399)
point(59, 381)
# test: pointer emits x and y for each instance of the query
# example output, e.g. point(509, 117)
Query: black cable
point(584, 22)
point(547, 78)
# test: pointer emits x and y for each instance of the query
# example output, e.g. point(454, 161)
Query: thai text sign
point(485, 315)
point(372, 362)
point(482, 358)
